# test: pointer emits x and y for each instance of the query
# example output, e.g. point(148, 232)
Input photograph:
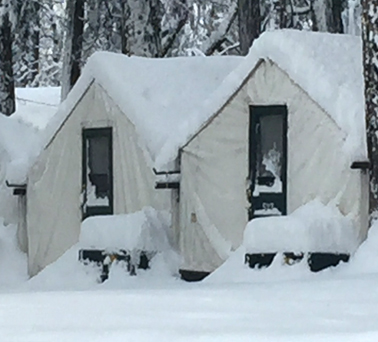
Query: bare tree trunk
point(249, 23)
point(285, 19)
point(73, 45)
point(370, 61)
point(337, 22)
point(7, 95)
point(77, 41)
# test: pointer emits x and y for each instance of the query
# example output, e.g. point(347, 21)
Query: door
point(267, 161)
point(97, 172)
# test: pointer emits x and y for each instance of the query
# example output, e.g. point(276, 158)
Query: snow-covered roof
point(327, 66)
point(169, 100)
point(157, 95)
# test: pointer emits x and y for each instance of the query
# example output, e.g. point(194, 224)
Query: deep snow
point(282, 303)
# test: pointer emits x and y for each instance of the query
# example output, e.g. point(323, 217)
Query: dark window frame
point(88, 133)
point(255, 113)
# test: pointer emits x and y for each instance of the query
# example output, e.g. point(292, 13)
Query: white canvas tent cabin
point(99, 151)
point(283, 129)
point(200, 116)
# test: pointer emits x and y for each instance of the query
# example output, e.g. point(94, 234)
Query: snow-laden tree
point(26, 43)
point(211, 28)
point(37, 42)
point(370, 61)
point(7, 95)
point(51, 43)
point(352, 18)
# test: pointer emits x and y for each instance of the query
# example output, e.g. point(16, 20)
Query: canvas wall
point(54, 183)
point(213, 202)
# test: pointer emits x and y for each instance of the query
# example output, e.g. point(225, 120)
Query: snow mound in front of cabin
point(365, 260)
point(145, 230)
point(314, 227)
point(235, 270)
point(13, 263)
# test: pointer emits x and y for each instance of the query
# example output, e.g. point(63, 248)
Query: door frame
point(255, 113)
point(88, 133)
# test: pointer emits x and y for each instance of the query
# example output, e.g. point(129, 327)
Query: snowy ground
point(282, 303)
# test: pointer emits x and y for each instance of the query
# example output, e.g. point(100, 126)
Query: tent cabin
point(286, 127)
point(250, 136)
point(100, 151)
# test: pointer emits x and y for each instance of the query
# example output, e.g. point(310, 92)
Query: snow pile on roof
point(37, 106)
point(157, 95)
point(19, 145)
point(146, 230)
point(313, 227)
point(20, 142)
point(327, 66)
point(168, 100)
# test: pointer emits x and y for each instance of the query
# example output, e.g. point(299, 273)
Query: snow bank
point(365, 260)
point(313, 227)
point(147, 229)
point(234, 270)
point(13, 263)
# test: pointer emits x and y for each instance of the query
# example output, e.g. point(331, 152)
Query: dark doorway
point(267, 161)
point(97, 172)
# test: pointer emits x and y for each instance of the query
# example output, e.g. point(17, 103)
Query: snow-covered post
point(249, 23)
point(370, 61)
point(7, 96)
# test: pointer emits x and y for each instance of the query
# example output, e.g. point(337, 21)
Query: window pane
point(99, 167)
point(269, 154)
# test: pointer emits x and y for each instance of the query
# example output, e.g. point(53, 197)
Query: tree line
point(46, 42)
